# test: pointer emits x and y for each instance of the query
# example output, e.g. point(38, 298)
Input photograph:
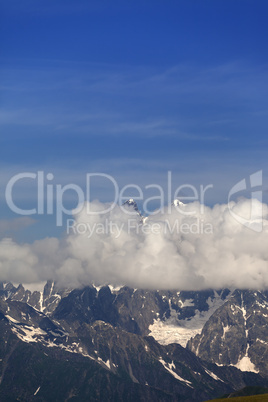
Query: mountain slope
point(237, 333)
point(96, 340)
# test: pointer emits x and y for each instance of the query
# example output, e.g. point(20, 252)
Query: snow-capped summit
point(132, 203)
point(177, 203)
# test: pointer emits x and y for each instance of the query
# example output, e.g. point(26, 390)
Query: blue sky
point(133, 89)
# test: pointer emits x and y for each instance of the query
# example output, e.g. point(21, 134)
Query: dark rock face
point(131, 205)
point(237, 333)
point(45, 301)
point(132, 309)
point(112, 361)
point(92, 344)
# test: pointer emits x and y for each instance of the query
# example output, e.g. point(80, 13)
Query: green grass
point(253, 398)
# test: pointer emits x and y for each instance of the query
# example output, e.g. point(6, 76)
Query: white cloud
point(208, 249)
point(10, 226)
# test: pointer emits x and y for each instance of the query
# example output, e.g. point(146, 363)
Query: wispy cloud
point(181, 101)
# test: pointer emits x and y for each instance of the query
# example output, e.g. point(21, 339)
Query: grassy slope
point(253, 398)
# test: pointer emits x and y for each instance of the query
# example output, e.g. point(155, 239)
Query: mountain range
point(107, 343)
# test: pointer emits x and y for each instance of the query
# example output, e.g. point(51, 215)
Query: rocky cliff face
point(144, 312)
point(93, 343)
point(46, 300)
point(237, 333)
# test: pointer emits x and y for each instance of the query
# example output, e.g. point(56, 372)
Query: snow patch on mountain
point(166, 333)
point(28, 334)
point(245, 364)
point(169, 367)
point(36, 392)
point(213, 375)
point(107, 364)
point(173, 330)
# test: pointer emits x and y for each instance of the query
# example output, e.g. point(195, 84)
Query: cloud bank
point(189, 247)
